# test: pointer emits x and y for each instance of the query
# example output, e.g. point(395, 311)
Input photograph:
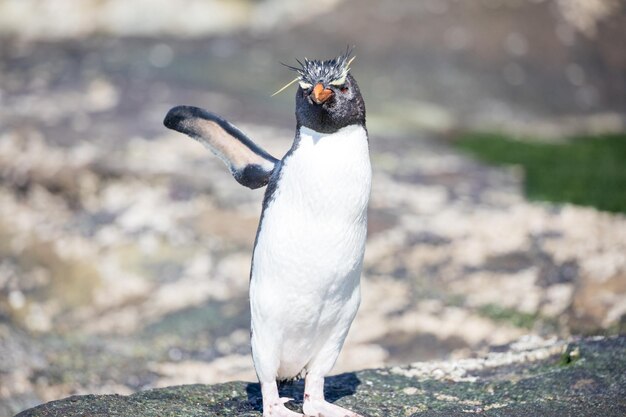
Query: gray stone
point(580, 378)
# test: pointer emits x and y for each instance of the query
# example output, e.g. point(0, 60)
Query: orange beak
point(321, 94)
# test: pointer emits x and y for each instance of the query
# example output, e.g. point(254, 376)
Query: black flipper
point(248, 163)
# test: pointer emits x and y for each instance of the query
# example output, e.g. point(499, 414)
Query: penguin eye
point(344, 89)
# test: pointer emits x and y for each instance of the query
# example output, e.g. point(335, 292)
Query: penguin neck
point(313, 137)
point(310, 137)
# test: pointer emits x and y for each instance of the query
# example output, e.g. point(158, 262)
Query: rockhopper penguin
point(308, 254)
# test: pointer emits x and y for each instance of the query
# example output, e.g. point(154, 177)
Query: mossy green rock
point(580, 378)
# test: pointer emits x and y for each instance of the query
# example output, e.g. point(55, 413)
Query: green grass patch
point(507, 315)
point(588, 171)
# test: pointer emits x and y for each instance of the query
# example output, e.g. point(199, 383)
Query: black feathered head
point(328, 97)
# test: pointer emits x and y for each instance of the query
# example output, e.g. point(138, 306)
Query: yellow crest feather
point(285, 87)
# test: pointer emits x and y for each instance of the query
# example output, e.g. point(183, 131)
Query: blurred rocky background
point(125, 247)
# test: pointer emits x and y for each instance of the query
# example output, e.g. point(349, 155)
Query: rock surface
point(530, 377)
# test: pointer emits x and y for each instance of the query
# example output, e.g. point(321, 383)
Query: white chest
point(328, 175)
point(316, 222)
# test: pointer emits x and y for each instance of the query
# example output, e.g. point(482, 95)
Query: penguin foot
point(273, 405)
point(278, 409)
point(314, 403)
point(322, 408)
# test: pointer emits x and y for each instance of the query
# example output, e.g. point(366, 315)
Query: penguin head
point(328, 97)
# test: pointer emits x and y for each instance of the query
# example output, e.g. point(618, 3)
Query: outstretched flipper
point(248, 163)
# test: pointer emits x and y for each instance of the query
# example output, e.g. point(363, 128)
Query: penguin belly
point(304, 289)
